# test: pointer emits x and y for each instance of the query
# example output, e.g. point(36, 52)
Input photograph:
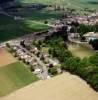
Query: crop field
point(13, 77)
point(6, 58)
point(61, 87)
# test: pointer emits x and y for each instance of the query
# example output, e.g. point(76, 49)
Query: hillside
point(33, 20)
point(78, 4)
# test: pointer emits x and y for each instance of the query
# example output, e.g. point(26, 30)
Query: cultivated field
point(5, 58)
point(13, 77)
point(62, 87)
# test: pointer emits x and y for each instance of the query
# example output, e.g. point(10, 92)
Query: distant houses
point(91, 19)
point(90, 36)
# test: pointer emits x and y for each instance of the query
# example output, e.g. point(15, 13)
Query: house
point(18, 18)
point(54, 62)
point(91, 36)
point(34, 50)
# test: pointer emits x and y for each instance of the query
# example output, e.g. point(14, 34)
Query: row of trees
point(82, 28)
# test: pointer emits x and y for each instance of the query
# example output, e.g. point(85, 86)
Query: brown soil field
point(5, 57)
point(61, 87)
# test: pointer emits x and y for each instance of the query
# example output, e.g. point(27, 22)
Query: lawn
point(13, 77)
point(80, 50)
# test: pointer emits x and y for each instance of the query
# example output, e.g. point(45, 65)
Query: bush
point(94, 59)
point(72, 64)
point(8, 45)
point(84, 63)
point(94, 44)
point(28, 47)
point(46, 22)
point(53, 71)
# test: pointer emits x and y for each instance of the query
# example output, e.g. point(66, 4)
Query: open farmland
point(77, 4)
point(6, 58)
point(10, 28)
point(13, 77)
point(62, 87)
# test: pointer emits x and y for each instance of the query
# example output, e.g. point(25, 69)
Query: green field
point(34, 21)
point(10, 28)
point(78, 4)
point(13, 77)
point(80, 50)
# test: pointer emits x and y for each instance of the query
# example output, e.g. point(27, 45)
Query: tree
point(22, 43)
point(94, 59)
point(96, 27)
point(53, 70)
point(63, 44)
point(72, 64)
point(84, 63)
point(42, 58)
point(8, 45)
point(94, 81)
point(73, 29)
point(64, 33)
point(75, 23)
point(82, 29)
point(94, 44)
point(46, 22)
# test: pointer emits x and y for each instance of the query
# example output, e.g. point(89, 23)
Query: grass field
point(9, 28)
point(13, 77)
point(80, 50)
point(78, 4)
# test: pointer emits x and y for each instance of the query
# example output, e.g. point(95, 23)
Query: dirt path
point(5, 57)
point(62, 87)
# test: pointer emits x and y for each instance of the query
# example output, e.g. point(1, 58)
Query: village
point(39, 62)
point(48, 50)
